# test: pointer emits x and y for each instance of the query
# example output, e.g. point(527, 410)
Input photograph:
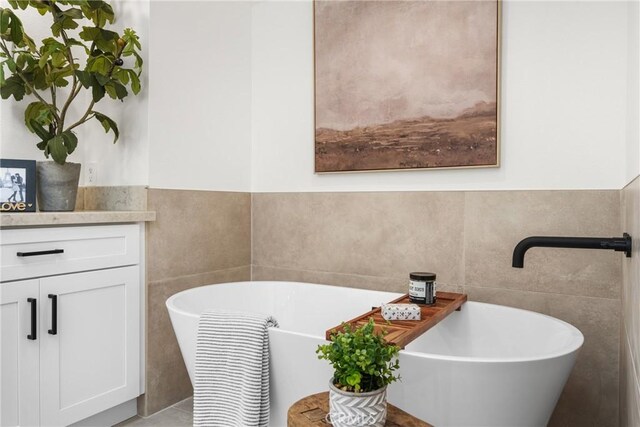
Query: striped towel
point(232, 370)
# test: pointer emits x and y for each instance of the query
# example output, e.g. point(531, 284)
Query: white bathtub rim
point(171, 305)
point(575, 345)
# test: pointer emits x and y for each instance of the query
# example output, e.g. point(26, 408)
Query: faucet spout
point(619, 244)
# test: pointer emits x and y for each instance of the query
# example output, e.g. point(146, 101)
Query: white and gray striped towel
point(232, 370)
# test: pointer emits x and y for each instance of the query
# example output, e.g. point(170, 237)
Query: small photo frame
point(18, 185)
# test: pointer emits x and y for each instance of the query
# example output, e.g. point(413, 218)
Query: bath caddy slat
point(402, 332)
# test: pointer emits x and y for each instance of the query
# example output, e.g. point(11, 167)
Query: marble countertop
point(32, 219)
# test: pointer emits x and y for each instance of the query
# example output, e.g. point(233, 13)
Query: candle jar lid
point(424, 277)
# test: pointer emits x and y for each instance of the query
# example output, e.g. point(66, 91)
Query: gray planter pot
point(57, 186)
point(357, 409)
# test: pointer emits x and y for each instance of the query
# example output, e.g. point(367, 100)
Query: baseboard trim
point(111, 416)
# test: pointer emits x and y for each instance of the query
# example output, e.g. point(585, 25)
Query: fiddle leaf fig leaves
point(5, 17)
point(41, 132)
point(84, 77)
point(16, 32)
point(57, 149)
point(13, 86)
point(116, 90)
point(58, 146)
point(102, 79)
point(108, 124)
point(97, 92)
point(104, 40)
point(70, 141)
point(38, 112)
point(99, 64)
point(122, 75)
point(11, 65)
point(135, 82)
point(98, 11)
point(98, 60)
point(22, 4)
point(25, 62)
point(73, 13)
point(132, 40)
point(132, 46)
point(11, 29)
point(63, 22)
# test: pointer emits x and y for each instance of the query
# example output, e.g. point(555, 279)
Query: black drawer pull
point(54, 315)
point(34, 311)
point(38, 253)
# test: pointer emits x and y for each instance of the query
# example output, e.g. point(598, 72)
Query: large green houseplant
point(363, 364)
point(81, 55)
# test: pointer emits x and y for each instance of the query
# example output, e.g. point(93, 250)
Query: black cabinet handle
point(54, 315)
point(38, 253)
point(34, 311)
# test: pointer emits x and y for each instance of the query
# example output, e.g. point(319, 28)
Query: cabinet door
point(90, 354)
point(19, 354)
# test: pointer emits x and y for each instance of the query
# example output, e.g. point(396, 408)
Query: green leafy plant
point(43, 70)
point(362, 360)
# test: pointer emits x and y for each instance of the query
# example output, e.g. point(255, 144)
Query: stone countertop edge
point(30, 219)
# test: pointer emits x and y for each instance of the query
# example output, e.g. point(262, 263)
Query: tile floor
point(178, 415)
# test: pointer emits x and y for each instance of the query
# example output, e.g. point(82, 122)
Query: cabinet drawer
point(37, 252)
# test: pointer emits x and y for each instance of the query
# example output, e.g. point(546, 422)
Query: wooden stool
point(311, 411)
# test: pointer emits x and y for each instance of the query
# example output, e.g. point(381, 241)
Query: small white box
point(400, 311)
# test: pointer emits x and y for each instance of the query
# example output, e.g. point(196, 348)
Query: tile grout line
point(337, 273)
point(175, 405)
point(634, 368)
point(156, 413)
point(251, 236)
point(542, 293)
point(465, 195)
point(181, 410)
point(463, 285)
point(168, 279)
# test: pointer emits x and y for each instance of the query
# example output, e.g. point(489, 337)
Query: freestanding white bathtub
point(486, 365)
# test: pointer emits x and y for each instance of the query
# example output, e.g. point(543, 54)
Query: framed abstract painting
point(406, 85)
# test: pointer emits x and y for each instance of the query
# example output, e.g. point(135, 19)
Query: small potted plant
point(80, 56)
point(363, 364)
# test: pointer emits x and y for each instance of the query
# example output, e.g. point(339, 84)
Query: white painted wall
point(633, 91)
point(16, 142)
point(125, 163)
point(228, 102)
point(564, 103)
point(200, 105)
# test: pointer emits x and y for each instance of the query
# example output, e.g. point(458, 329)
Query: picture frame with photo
point(17, 185)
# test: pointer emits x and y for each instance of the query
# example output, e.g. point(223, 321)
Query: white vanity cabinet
point(70, 331)
point(19, 355)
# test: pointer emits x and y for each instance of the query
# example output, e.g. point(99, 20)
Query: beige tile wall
point(199, 238)
point(630, 325)
point(372, 240)
point(115, 198)
point(384, 235)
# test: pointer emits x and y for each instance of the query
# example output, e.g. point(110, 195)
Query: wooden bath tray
point(402, 332)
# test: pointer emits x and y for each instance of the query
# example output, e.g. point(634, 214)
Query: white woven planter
point(357, 409)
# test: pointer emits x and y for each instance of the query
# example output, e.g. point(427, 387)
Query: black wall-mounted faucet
point(620, 244)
